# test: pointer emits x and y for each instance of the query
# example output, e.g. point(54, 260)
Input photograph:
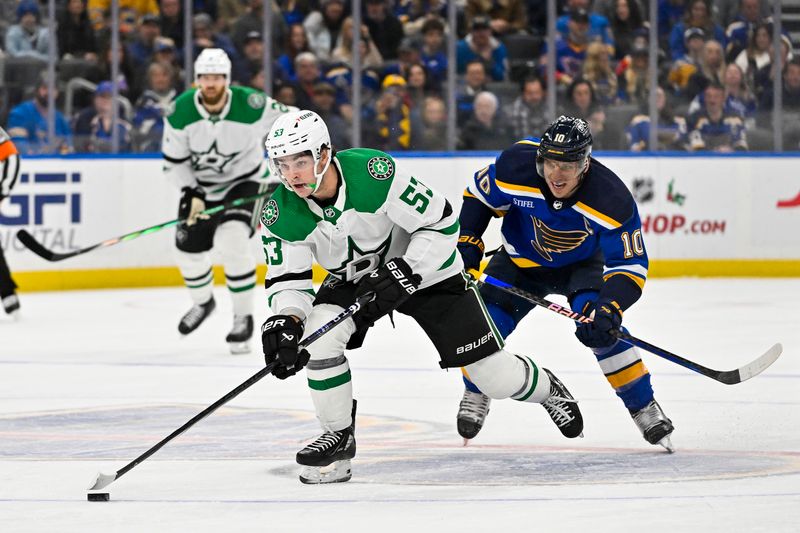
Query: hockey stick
point(728, 377)
point(36, 247)
point(103, 480)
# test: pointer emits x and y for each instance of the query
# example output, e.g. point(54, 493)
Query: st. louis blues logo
point(547, 240)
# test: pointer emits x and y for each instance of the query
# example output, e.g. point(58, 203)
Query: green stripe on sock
point(326, 384)
point(534, 381)
point(241, 289)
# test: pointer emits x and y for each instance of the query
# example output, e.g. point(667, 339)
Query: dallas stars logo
point(269, 215)
point(359, 262)
point(211, 159)
point(380, 168)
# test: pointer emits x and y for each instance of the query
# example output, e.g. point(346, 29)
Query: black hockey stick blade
point(103, 480)
point(48, 255)
point(732, 377)
point(728, 377)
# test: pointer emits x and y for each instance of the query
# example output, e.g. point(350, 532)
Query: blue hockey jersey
point(541, 231)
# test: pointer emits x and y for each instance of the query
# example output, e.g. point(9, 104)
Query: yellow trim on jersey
point(466, 374)
point(595, 213)
point(514, 187)
point(636, 279)
point(526, 141)
point(469, 194)
point(524, 263)
point(627, 376)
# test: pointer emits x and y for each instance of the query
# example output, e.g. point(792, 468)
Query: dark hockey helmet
point(566, 139)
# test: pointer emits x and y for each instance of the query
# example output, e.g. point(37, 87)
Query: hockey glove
point(193, 203)
point(280, 338)
point(471, 249)
point(606, 317)
point(393, 284)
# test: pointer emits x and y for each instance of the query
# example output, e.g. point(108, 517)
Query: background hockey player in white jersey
point(376, 231)
point(213, 151)
point(9, 172)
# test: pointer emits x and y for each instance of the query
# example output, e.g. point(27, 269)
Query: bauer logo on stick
point(380, 168)
point(269, 215)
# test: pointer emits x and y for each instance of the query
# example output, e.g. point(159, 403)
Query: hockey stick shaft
point(103, 480)
point(728, 377)
point(36, 247)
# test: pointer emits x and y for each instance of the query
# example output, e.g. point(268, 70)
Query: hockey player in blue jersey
point(570, 227)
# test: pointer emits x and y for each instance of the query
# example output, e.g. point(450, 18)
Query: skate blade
point(239, 348)
point(336, 472)
point(666, 442)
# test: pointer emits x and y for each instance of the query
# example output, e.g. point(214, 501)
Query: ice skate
point(654, 425)
point(239, 337)
point(327, 459)
point(471, 414)
point(196, 316)
point(563, 409)
point(11, 305)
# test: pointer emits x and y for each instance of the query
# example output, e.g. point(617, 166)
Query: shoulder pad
point(287, 216)
point(183, 110)
point(517, 164)
point(605, 193)
point(368, 175)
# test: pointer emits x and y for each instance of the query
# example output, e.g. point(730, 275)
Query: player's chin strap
point(728, 377)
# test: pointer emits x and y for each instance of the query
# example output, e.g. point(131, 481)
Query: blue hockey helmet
point(566, 139)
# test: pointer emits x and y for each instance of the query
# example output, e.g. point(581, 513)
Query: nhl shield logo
point(380, 168)
point(270, 213)
point(557, 204)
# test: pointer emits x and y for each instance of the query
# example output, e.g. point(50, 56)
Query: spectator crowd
point(716, 70)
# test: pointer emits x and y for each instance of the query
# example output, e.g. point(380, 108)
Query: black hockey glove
point(471, 249)
point(393, 284)
point(280, 338)
point(193, 202)
point(597, 334)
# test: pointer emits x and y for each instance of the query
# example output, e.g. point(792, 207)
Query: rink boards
point(701, 215)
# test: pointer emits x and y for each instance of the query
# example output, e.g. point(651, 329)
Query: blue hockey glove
point(280, 339)
point(471, 249)
point(597, 334)
point(393, 284)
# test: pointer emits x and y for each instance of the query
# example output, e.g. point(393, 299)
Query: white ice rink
point(89, 380)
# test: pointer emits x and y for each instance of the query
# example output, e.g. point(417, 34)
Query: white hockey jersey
point(216, 152)
point(380, 213)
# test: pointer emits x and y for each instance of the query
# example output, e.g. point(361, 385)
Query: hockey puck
point(98, 496)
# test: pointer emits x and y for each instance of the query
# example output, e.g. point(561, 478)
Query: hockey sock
point(331, 391)
point(197, 275)
point(241, 290)
point(504, 375)
point(626, 373)
point(232, 241)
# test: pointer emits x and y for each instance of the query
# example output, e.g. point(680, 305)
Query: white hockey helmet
point(294, 133)
point(213, 61)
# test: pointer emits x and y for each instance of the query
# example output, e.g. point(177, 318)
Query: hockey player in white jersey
point(213, 151)
point(379, 231)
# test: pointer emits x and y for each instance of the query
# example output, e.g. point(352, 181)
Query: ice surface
point(90, 380)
